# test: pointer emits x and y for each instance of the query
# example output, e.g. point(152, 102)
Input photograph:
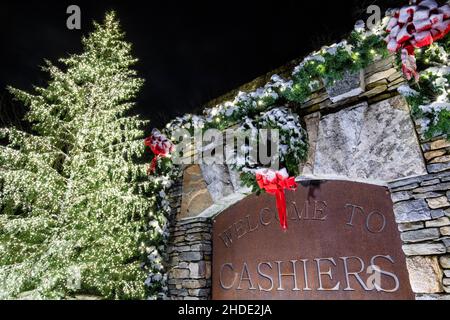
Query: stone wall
point(190, 257)
point(368, 137)
point(422, 209)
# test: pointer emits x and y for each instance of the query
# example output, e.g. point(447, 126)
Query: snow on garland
point(430, 98)
point(156, 281)
point(292, 138)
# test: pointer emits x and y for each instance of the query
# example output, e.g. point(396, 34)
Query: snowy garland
point(292, 138)
point(416, 26)
point(428, 66)
point(429, 98)
point(155, 251)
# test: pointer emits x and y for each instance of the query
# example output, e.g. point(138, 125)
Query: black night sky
point(190, 51)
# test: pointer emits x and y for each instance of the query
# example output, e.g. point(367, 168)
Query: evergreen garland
point(429, 98)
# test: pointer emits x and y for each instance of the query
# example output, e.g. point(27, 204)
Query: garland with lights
point(429, 97)
point(429, 94)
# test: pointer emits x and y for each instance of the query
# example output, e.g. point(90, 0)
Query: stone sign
point(342, 242)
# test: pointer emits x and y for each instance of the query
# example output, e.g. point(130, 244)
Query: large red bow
point(275, 182)
point(416, 26)
point(160, 146)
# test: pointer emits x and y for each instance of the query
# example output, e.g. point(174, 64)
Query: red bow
point(275, 182)
point(160, 146)
point(416, 27)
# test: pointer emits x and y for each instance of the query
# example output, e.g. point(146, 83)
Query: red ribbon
point(416, 26)
point(275, 182)
point(160, 146)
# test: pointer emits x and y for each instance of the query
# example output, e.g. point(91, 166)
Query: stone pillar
point(422, 210)
point(189, 251)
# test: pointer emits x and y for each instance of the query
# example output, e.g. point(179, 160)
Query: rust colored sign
point(342, 242)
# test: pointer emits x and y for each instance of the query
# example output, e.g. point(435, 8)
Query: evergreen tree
point(77, 210)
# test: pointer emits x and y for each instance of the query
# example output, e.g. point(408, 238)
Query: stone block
point(445, 261)
point(369, 142)
point(438, 167)
point(420, 235)
point(198, 229)
point(445, 231)
point(197, 270)
point(438, 203)
point(395, 77)
point(191, 256)
point(442, 159)
point(433, 188)
point(203, 247)
point(404, 182)
point(446, 242)
point(196, 197)
point(396, 83)
point(425, 274)
point(430, 182)
point(434, 154)
point(370, 86)
point(218, 181)
point(436, 214)
point(409, 226)
point(194, 284)
point(408, 187)
point(194, 237)
point(383, 75)
point(375, 91)
point(426, 195)
point(440, 144)
point(441, 222)
point(411, 211)
point(179, 273)
point(351, 85)
point(400, 196)
point(380, 65)
point(199, 292)
point(181, 248)
point(424, 249)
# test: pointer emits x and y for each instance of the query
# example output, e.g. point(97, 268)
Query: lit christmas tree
point(78, 213)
